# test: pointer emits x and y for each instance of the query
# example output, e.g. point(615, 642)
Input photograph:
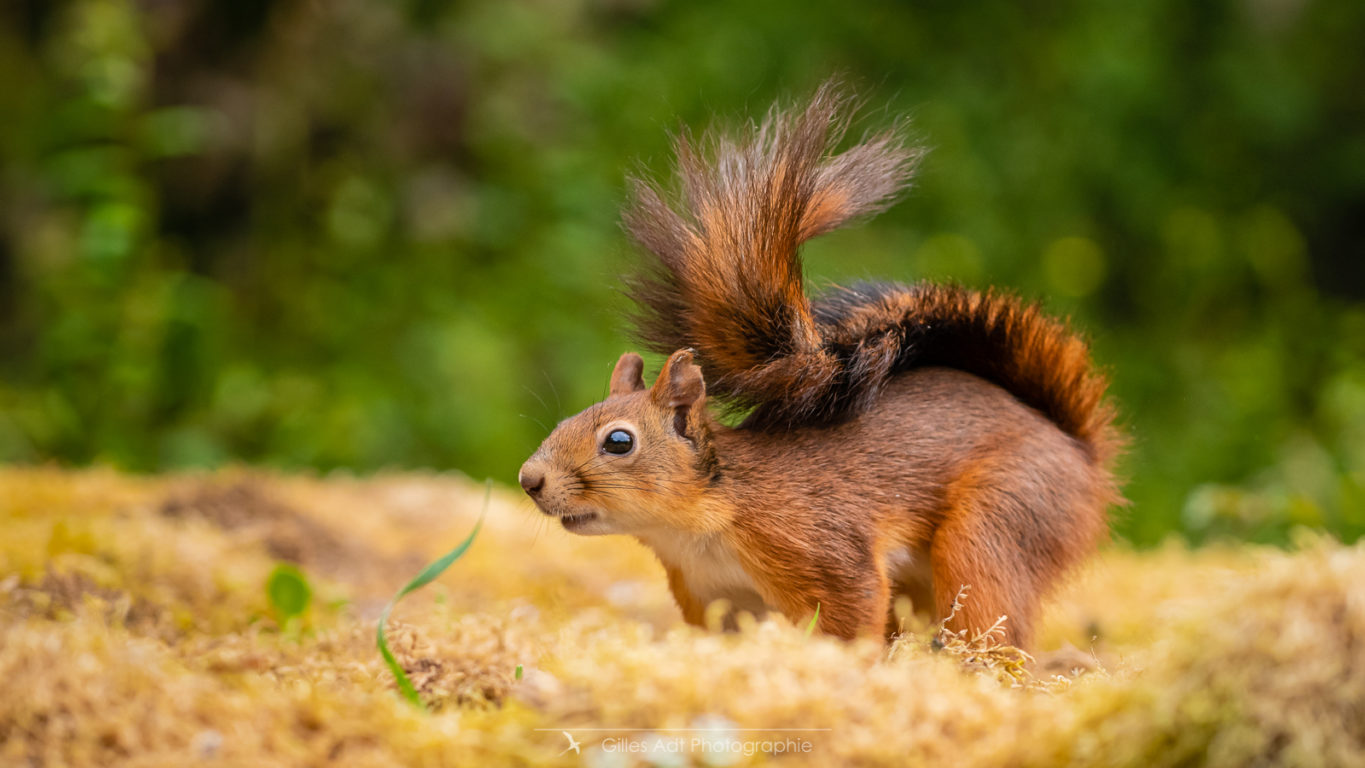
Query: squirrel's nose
point(532, 480)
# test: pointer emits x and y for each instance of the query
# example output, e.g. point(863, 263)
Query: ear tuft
point(680, 383)
point(628, 376)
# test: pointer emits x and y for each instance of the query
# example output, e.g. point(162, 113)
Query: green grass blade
point(811, 626)
point(404, 684)
point(427, 575)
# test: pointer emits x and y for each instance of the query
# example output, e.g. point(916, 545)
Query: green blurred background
point(366, 235)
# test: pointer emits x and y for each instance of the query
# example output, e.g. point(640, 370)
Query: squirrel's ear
point(680, 384)
point(629, 375)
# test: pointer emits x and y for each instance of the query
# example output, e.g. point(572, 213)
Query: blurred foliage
point(367, 234)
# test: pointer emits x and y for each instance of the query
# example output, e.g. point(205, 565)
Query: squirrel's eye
point(618, 441)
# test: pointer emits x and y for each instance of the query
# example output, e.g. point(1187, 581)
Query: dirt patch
point(245, 507)
point(61, 595)
point(247, 511)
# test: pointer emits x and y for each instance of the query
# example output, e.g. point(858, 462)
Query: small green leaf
point(518, 673)
point(288, 591)
point(811, 626)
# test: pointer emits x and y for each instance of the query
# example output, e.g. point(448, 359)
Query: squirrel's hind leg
point(973, 551)
point(1013, 525)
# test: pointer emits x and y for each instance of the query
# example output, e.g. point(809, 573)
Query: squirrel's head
point(633, 463)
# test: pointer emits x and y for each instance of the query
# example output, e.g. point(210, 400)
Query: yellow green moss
point(135, 629)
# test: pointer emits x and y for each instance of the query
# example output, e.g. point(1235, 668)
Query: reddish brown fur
point(895, 431)
point(728, 277)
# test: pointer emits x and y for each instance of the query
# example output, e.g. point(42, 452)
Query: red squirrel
point(894, 440)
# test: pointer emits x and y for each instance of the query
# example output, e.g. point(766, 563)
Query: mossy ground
point(135, 629)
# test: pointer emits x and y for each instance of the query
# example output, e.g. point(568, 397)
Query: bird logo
point(573, 744)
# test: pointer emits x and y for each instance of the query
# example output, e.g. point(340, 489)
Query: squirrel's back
point(727, 282)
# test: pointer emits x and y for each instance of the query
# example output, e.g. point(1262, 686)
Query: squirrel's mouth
point(574, 522)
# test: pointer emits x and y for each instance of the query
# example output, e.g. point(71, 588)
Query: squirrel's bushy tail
point(728, 283)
